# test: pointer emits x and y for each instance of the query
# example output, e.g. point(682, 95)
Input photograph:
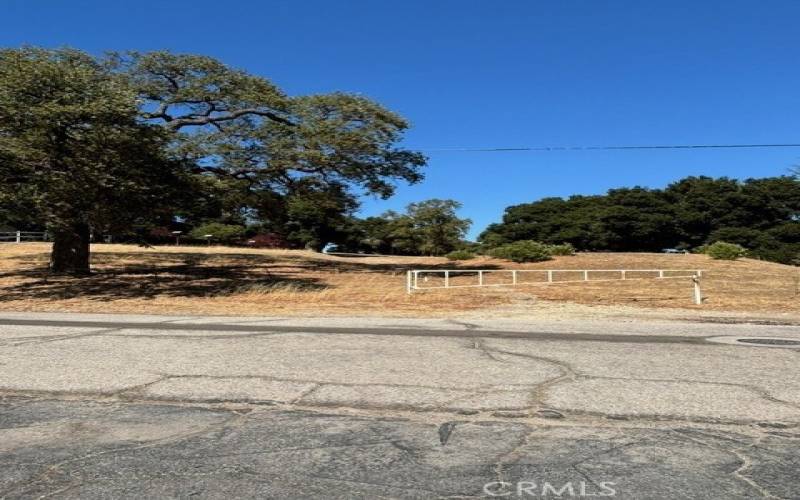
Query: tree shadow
point(164, 275)
point(297, 262)
point(141, 275)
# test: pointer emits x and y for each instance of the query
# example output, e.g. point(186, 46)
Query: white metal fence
point(20, 236)
point(432, 279)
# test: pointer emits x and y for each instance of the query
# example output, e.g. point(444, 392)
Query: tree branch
point(161, 112)
point(200, 120)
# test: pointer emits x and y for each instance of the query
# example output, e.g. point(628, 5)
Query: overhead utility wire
point(606, 148)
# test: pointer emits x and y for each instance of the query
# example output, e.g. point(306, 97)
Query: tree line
point(430, 227)
point(762, 215)
point(137, 145)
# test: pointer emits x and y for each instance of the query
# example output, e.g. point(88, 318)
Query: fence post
point(549, 276)
point(19, 236)
point(586, 276)
point(447, 279)
point(409, 283)
point(661, 273)
point(698, 295)
point(513, 277)
point(623, 274)
point(480, 278)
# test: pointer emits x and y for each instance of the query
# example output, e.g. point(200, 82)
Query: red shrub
point(267, 240)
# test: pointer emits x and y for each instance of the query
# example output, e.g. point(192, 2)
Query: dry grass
point(237, 281)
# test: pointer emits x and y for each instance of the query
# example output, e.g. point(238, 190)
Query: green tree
point(437, 225)
point(404, 238)
point(722, 250)
point(460, 255)
point(523, 251)
point(430, 227)
point(89, 143)
point(637, 219)
point(372, 234)
point(761, 214)
point(552, 220)
point(318, 213)
point(74, 154)
point(283, 154)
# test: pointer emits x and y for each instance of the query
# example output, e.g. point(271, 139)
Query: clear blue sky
point(497, 73)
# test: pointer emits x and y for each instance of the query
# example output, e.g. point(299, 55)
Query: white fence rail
point(433, 279)
point(20, 236)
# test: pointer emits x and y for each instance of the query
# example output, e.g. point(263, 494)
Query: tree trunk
point(70, 253)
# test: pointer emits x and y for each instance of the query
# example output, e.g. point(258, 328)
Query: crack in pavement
point(754, 444)
point(369, 483)
point(608, 450)
point(758, 391)
point(479, 389)
point(537, 391)
point(45, 339)
point(503, 459)
point(661, 418)
point(570, 373)
point(467, 326)
point(44, 476)
point(510, 452)
point(306, 393)
point(300, 448)
point(586, 476)
point(443, 407)
point(198, 336)
point(745, 463)
point(480, 344)
point(135, 390)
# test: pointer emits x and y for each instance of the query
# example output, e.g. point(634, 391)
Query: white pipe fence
point(465, 278)
point(20, 236)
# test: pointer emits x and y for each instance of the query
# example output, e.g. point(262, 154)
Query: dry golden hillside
point(221, 280)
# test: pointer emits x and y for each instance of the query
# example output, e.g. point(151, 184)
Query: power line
point(608, 148)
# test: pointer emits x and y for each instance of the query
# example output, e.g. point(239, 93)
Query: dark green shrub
point(460, 255)
point(725, 251)
point(522, 251)
point(562, 249)
point(744, 236)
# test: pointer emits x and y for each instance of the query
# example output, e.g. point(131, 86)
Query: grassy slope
point(221, 280)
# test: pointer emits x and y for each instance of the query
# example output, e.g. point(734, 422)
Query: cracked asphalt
point(108, 406)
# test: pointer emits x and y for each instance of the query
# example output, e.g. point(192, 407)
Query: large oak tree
point(74, 152)
point(97, 143)
point(299, 163)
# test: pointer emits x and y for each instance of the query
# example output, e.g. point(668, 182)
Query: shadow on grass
point(183, 274)
point(299, 262)
point(150, 280)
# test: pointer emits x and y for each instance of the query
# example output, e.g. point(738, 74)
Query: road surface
point(104, 406)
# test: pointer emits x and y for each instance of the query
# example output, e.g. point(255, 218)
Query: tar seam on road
point(254, 330)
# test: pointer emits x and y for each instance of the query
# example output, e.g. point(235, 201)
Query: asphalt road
point(100, 406)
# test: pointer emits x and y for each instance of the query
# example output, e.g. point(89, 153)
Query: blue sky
point(506, 73)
